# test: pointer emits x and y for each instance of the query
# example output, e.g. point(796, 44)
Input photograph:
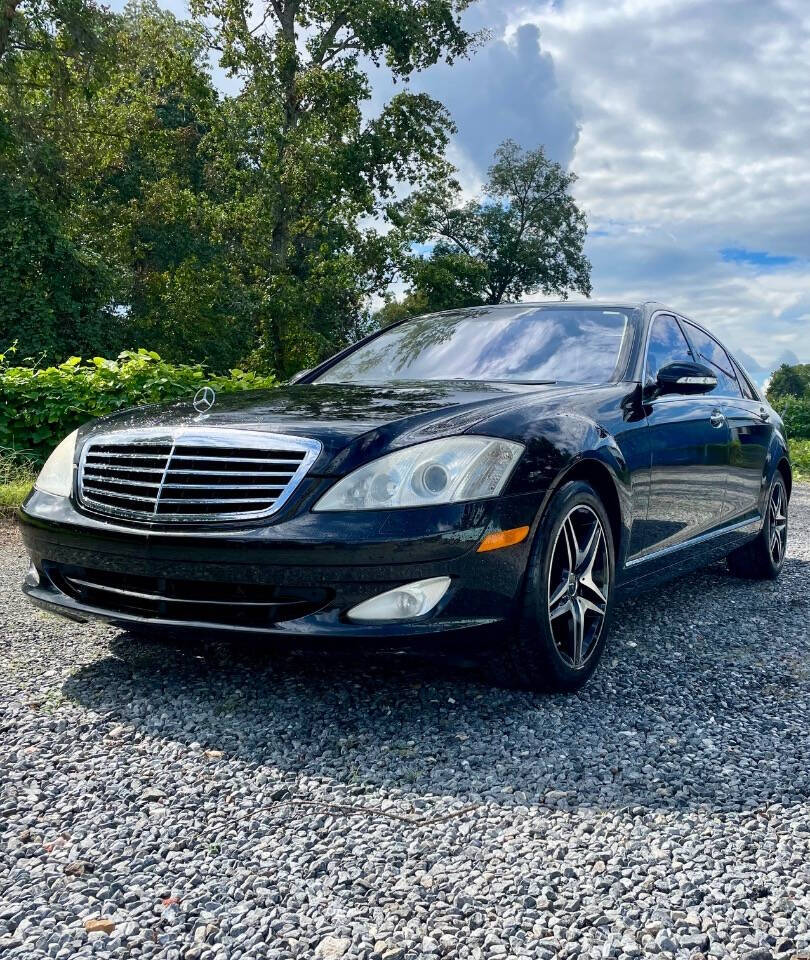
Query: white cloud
point(694, 121)
point(506, 89)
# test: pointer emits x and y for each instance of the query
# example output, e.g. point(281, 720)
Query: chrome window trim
point(680, 319)
point(711, 336)
point(740, 370)
point(215, 437)
point(653, 318)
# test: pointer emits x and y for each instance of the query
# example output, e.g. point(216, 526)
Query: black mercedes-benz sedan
point(497, 475)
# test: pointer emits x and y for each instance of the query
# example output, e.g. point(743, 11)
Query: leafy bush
point(795, 412)
point(40, 406)
point(800, 458)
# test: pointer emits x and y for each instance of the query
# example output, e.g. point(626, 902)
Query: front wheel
point(568, 596)
point(764, 557)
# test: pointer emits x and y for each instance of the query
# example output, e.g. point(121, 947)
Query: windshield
point(520, 345)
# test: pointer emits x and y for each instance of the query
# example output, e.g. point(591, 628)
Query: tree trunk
point(280, 236)
point(7, 11)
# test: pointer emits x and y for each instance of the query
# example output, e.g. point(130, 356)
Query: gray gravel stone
point(216, 801)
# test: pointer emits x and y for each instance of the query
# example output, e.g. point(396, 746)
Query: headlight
point(56, 476)
point(439, 471)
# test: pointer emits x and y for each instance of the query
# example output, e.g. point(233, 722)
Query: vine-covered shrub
point(795, 412)
point(800, 459)
point(40, 406)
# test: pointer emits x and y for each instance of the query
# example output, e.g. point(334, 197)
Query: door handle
point(717, 418)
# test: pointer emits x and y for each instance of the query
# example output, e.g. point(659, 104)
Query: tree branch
point(328, 39)
point(258, 26)
point(350, 43)
point(449, 235)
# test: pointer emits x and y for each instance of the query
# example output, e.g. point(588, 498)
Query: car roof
point(599, 304)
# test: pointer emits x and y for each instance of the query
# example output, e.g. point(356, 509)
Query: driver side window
point(667, 344)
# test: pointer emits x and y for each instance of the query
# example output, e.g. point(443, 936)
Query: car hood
point(363, 419)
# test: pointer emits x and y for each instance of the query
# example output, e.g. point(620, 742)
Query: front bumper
point(330, 562)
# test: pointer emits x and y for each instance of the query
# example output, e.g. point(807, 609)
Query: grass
point(800, 458)
point(16, 477)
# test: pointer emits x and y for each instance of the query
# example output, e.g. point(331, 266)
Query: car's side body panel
point(689, 470)
point(752, 433)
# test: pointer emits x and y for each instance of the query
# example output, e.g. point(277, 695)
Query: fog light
point(402, 603)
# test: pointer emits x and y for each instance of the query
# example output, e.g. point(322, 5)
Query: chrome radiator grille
point(193, 475)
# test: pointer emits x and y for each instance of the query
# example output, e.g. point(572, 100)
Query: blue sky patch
point(758, 258)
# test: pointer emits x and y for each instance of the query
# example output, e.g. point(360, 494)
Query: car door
point(689, 446)
point(749, 424)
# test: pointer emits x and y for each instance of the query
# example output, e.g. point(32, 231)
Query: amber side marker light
point(503, 538)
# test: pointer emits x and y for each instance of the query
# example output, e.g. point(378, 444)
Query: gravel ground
point(223, 803)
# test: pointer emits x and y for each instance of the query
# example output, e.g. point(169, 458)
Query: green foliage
point(303, 170)
point(525, 235)
point(212, 228)
point(51, 291)
point(17, 476)
point(111, 235)
point(40, 406)
point(54, 288)
point(789, 393)
point(790, 381)
point(800, 459)
point(795, 411)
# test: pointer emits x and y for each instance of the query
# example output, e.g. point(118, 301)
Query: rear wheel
point(568, 595)
point(764, 557)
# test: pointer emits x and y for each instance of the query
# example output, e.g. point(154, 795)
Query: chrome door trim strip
point(694, 541)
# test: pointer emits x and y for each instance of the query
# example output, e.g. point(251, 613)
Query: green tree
point(143, 209)
point(105, 116)
point(148, 198)
point(308, 179)
point(790, 381)
point(526, 235)
point(52, 293)
point(54, 288)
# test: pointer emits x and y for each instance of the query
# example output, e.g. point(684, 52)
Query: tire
point(764, 557)
point(548, 651)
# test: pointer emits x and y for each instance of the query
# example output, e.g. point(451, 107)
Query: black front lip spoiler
point(485, 590)
point(316, 627)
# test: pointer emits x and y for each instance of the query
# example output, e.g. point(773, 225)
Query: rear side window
point(709, 351)
point(667, 344)
point(748, 390)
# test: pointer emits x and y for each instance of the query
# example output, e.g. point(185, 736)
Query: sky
point(687, 123)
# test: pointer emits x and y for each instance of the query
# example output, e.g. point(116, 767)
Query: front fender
point(556, 444)
point(571, 446)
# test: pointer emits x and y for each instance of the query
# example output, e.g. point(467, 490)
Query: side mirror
point(685, 377)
